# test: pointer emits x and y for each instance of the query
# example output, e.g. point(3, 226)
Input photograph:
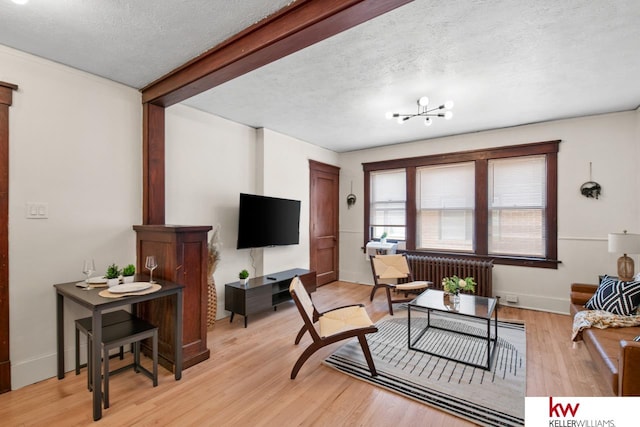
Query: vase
point(113, 282)
point(127, 279)
point(455, 299)
point(452, 300)
point(212, 302)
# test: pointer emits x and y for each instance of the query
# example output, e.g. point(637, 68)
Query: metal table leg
point(97, 364)
point(60, 333)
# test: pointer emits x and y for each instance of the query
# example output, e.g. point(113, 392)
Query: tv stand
point(264, 292)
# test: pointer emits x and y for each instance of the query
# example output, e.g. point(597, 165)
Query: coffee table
point(471, 306)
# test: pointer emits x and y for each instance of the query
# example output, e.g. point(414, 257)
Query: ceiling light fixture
point(20, 1)
point(424, 111)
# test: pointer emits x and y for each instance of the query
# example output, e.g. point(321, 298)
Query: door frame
point(6, 95)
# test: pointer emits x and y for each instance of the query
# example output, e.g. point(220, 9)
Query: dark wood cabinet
point(181, 252)
point(264, 292)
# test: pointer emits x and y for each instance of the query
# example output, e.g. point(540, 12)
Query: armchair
point(334, 325)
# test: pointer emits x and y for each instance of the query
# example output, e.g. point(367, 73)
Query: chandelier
point(424, 111)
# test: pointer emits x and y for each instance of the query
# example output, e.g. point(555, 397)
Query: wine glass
point(88, 269)
point(151, 264)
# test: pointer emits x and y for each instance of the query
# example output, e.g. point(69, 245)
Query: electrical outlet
point(511, 298)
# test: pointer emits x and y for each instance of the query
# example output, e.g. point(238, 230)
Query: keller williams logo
point(560, 410)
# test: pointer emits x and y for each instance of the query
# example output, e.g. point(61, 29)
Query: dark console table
point(264, 292)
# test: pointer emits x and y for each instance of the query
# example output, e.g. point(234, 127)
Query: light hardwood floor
point(246, 380)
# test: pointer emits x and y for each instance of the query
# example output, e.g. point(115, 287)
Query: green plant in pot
point(243, 276)
point(112, 275)
point(383, 237)
point(128, 272)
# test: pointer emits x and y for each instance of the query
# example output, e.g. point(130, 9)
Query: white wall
point(210, 161)
point(286, 174)
point(610, 142)
point(75, 143)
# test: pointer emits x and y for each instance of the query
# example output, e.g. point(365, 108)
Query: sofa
point(615, 354)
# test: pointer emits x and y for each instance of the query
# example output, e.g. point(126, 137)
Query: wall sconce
point(590, 189)
point(351, 198)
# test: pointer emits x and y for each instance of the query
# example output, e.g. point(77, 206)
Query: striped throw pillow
point(615, 296)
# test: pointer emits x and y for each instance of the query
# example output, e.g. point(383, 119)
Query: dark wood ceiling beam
point(293, 28)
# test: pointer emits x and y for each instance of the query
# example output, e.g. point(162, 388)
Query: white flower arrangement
point(454, 284)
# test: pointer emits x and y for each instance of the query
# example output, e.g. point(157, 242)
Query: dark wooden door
point(323, 221)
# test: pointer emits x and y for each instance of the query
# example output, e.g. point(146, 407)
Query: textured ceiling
point(503, 63)
point(129, 41)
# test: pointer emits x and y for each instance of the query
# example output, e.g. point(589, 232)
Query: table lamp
point(624, 243)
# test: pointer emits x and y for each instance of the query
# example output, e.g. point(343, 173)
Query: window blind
point(388, 204)
point(517, 203)
point(445, 202)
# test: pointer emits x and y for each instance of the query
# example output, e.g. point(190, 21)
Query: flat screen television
point(268, 221)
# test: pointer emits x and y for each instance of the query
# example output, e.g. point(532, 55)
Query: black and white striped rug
point(488, 398)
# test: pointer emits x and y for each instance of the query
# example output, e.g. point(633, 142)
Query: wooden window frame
point(481, 158)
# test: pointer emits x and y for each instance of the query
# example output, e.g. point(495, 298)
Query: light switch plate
point(37, 210)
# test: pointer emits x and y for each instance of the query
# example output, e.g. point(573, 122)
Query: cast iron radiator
point(434, 268)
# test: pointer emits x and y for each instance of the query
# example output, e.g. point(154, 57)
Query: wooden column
point(153, 172)
point(6, 94)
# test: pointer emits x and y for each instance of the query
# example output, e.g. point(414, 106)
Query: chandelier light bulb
point(448, 115)
point(423, 101)
point(388, 115)
point(428, 121)
point(20, 1)
point(448, 105)
point(400, 120)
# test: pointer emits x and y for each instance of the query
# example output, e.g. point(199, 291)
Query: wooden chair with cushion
point(387, 270)
point(334, 325)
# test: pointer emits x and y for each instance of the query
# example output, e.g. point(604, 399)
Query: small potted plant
point(112, 275)
point(383, 237)
point(243, 276)
point(128, 272)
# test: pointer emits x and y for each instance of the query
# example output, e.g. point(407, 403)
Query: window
point(498, 203)
point(517, 202)
point(445, 200)
point(388, 204)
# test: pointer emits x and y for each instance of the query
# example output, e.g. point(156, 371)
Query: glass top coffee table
point(478, 309)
